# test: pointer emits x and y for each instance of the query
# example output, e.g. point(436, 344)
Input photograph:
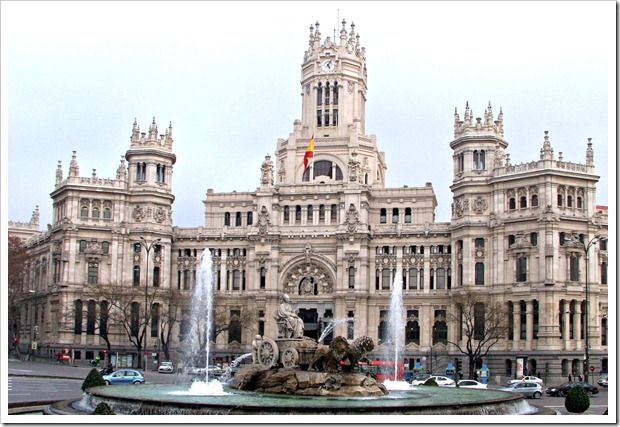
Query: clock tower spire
point(333, 109)
point(333, 80)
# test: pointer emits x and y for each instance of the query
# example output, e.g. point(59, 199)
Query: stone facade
point(333, 237)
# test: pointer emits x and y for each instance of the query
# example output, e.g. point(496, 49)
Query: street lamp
point(148, 247)
point(586, 248)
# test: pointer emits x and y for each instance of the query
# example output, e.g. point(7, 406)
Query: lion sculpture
point(339, 350)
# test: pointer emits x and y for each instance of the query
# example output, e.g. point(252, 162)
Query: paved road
point(34, 381)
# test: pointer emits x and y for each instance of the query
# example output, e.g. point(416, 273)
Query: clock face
point(328, 65)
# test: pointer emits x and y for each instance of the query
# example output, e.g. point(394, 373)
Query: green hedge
point(577, 400)
point(103, 409)
point(93, 379)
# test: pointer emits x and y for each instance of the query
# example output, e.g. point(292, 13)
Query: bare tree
point(172, 303)
point(17, 270)
point(483, 321)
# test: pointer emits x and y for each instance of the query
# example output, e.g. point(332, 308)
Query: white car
point(471, 384)
point(527, 379)
point(166, 367)
point(440, 380)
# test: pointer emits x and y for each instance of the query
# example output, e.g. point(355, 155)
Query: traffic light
point(459, 367)
point(14, 341)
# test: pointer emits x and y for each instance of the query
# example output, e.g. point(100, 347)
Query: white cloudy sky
point(227, 76)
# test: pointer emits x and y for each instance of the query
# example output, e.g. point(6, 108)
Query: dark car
point(562, 390)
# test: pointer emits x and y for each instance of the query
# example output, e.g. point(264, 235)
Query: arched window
point(384, 331)
point(287, 214)
point(412, 333)
point(479, 313)
point(319, 94)
point(479, 273)
point(334, 213)
point(263, 278)
point(534, 201)
point(569, 201)
point(521, 269)
point(136, 275)
point(523, 202)
point(512, 204)
point(103, 318)
point(237, 219)
point(407, 215)
point(579, 202)
point(297, 214)
point(77, 325)
point(250, 218)
point(227, 218)
point(84, 211)
point(335, 89)
point(479, 159)
point(156, 277)
point(560, 200)
point(107, 213)
point(95, 213)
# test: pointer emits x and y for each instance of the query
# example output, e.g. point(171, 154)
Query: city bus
point(383, 369)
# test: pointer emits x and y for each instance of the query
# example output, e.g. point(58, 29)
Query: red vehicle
point(383, 369)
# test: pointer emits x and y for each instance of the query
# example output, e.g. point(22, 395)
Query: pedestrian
point(570, 379)
point(580, 378)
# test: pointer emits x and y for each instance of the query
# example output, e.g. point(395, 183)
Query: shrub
point(103, 409)
point(430, 382)
point(93, 379)
point(577, 400)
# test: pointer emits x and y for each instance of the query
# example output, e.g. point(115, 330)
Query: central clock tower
point(333, 80)
point(333, 110)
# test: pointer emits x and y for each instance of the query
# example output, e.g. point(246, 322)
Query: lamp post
point(586, 248)
point(147, 247)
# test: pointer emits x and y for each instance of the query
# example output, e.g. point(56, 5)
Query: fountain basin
point(168, 399)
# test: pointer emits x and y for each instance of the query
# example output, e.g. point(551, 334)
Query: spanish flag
point(309, 152)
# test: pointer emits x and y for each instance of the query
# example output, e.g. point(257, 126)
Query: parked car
point(528, 389)
point(562, 390)
point(527, 379)
point(439, 379)
point(166, 368)
point(214, 371)
point(602, 382)
point(419, 377)
point(124, 376)
point(471, 384)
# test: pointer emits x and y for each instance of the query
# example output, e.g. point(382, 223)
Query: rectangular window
point(235, 284)
point(534, 239)
point(351, 278)
point(441, 278)
point(335, 117)
point(413, 278)
point(386, 279)
point(154, 320)
point(263, 278)
point(574, 268)
point(93, 272)
point(521, 269)
point(136, 275)
point(319, 115)
point(91, 318)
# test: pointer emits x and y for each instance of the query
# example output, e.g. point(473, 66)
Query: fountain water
point(395, 321)
point(330, 327)
point(201, 314)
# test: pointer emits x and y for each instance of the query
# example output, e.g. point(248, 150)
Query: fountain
point(284, 380)
point(395, 321)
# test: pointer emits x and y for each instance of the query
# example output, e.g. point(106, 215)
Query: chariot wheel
point(268, 353)
point(290, 358)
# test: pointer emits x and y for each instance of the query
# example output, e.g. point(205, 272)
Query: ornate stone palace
point(333, 238)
